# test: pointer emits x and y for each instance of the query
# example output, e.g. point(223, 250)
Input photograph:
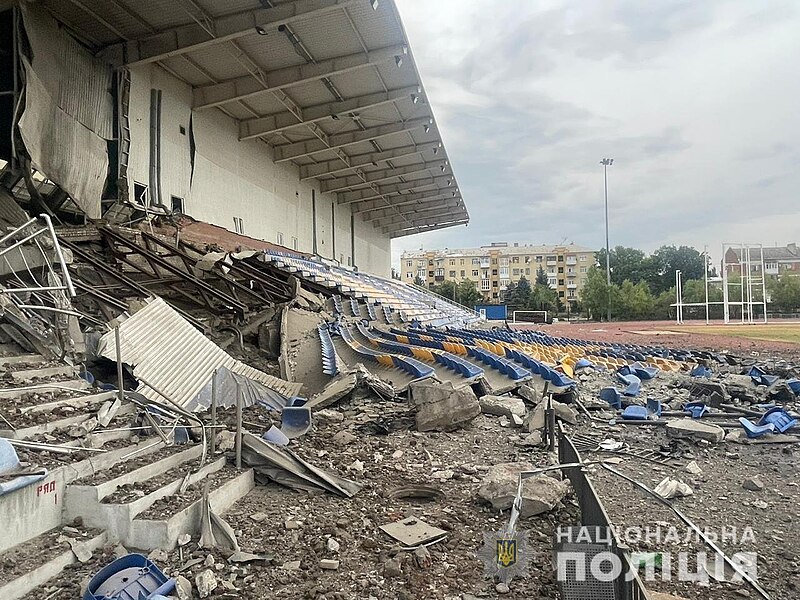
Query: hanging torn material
point(283, 466)
point(171, 358)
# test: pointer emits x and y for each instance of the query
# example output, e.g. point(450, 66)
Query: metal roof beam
point(394, 188)
point(434, 212)
point(331, 167)
point(195, 36)
point(370, 205)
point(242, 88)
point(425, 225)
point(295, 150)
point(352, 181)
point(277, 122)
point(412, 207)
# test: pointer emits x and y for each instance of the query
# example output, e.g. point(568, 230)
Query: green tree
point(668, 259)
point(419, 281)
point(521, 296)
point(541, 276)
point(635, 301)
point(595, 294)
point(468, 294)
point(543, 298)
point(784, 293)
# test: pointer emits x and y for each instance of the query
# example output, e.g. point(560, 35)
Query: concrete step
point(22, 358)
point(86, 501)
point(148, 534)
point(56, 560)
point(53, 386)
point(58, 371)
point(35, 509)
point(59, 424)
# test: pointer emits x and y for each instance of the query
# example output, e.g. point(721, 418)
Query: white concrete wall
point(239, 179)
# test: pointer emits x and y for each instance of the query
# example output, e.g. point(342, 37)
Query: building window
point(453, 274)
point(538, 259)
point(484, 285)
point(462, 262)
point(296, 245)
point(476, 261)
point(560, 269)
point(561, 294)
point(494, 272)
point(280, 238)
point(238, 227)
point(584, 269)
point(409, 263)
point(177, 205)
point(420, 263)
point(474, 272)
point(494, 261)
point(495, 295)
point(515, 260)
point(463, 273)
point(430, 273)
point(560, 282)
point(504, 272)
point(583, 259)
point(504, 262)
point(494, 284)
point(430, 263)
point(439, 272)
point(515, 272)
point(452, 263)
point(421, 273)
point(140, 193)
point(560, 258)
point(408, 275)
point(527, 270)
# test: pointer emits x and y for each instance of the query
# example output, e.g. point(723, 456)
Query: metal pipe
point(214, 412)
point(52, 288)
point(60, 254)
point(8, 236)
point(24, 240)
point(120, 380)
point(238, 427)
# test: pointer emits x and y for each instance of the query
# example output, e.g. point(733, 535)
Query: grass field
point(777, 332)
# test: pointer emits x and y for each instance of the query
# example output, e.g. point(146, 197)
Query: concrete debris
point(329, 564)
point(753, 484)
point(333, 545)
point(502, 406)
point(343, 438)
point(81, 551)
point(393, 567)
point(441, 407)
point(327, 415)
point(672, 488)
point(540, 494)
point(532, 439)
point(535, 420)
point(206, 583)
point(336, 389)
point(695, 429)
point(412, 531)
point(693, 468)
point(529, 393)
point(259, 517)
point(183, 588)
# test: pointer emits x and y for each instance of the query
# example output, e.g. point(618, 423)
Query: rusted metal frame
point(274, 288)
point(104, 268)
point(191, 263)
point(153, 252)
point(226, 299)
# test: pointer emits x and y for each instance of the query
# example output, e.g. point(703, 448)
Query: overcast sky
point(698, 102)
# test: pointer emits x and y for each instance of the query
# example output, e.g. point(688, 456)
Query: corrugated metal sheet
point(170, 354)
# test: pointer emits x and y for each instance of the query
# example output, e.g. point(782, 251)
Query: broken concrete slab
point(529, 393)
point(336, 389)
point(535, 419)
point(502, 406)
point(412, 531)
point(441, 407)
point(694, 429)
point(539, 494)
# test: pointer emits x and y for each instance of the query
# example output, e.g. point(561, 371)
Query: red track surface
point(665, 333)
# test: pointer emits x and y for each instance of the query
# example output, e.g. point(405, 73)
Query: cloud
point(695, 101)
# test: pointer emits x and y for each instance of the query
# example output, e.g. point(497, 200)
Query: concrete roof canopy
point(330, 85)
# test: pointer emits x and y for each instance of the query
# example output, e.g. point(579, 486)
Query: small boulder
point(535, 419)
point(539, 493)
point(441, 407)
point(206, 583)
point(502, 406)
point(753, 484)
point(694, 429)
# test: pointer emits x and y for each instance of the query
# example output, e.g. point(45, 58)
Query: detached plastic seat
point(635, 413)
point(612, 396)
point(755, 431)
point(794, 385)
point(632, 382)
point(779, 418)
point(131, 577)
point(695, 409)
point(700, 371)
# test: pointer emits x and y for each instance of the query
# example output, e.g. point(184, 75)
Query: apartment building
point(492, 268)
point(778, 260)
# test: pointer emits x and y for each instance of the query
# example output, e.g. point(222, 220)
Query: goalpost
point(529, 316)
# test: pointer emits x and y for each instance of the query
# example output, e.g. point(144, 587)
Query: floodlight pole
point(607, 162)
